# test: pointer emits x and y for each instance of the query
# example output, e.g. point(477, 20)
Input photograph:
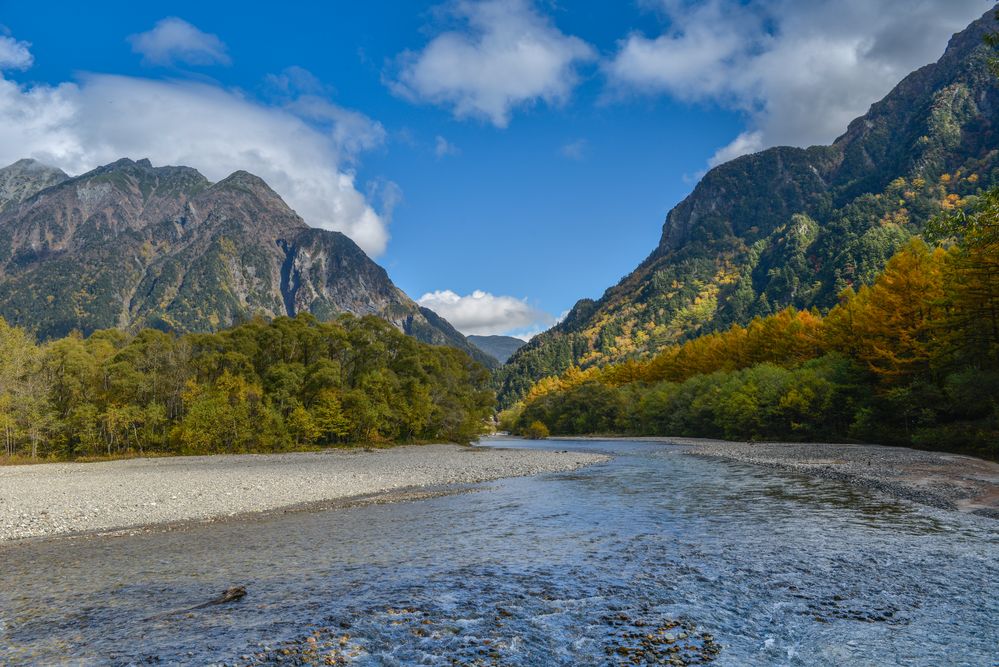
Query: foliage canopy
point(261, 386)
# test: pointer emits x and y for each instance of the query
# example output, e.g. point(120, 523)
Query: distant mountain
point(500, 348)
point(24, 179)
point(130, 245)
point(793, 226)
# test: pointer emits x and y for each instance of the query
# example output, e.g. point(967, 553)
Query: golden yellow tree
point(894, 325)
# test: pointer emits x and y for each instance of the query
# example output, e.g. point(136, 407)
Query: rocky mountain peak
point(130, 245)
point(29, 165)
point(244, 183)
point(25, 178)
point(244, 179)
point(143, 170)
point(895, 136)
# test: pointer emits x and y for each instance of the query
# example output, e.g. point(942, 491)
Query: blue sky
point(501, 159)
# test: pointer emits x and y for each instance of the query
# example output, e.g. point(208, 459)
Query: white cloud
point(79, 125)
point(444, 148)
point(484, 314)
point(297, 80)
point(751, 141)
point(173, 40)
point(574, 150)
point(801, 71)
point(301, 92)
point(14, 54)
point(527, 335)
point(506, 55)
point(352, 132)
point(387, 193)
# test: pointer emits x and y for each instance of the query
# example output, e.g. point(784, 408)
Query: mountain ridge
point(499, 347)
point(792, 226)
point(129, 245)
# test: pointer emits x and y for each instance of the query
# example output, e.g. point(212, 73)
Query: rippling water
point(565, 569)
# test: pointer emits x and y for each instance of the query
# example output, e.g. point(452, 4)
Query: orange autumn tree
point(787, 338)
point(911, 359)
point(894, 326)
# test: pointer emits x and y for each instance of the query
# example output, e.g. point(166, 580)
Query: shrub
point(536, 431)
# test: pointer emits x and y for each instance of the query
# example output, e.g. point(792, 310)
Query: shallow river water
point(652, 557)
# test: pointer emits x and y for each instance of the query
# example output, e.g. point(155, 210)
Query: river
point(652, 557)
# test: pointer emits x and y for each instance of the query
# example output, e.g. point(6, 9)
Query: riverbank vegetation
point(258, 387)
point(911, 359)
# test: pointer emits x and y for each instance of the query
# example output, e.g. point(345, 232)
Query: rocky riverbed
point(653, 557)
point(67, 498)
point(937, 479)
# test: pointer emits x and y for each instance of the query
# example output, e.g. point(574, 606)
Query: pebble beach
point(68, 498)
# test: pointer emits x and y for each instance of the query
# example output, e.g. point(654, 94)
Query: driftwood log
point(228, 595)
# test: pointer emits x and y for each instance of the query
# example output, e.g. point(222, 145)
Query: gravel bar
point(937, 479)
point(64, 498)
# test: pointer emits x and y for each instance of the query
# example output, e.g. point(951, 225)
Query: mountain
point(24, 179)
point(130, 245)
point(793, 226)
point(500, 348)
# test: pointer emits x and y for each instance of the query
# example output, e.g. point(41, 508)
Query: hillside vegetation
point(911, 359)
point(258, 387)
point(793, 227)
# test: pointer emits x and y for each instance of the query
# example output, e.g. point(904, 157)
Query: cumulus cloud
point(526, 334)
point(173, 40)
point(801, 71)
point(14, 54)
point(751, 141)
point(82, 124)
point(505, 55)
point(301, 92)
point(352, 132)
point(484, 314)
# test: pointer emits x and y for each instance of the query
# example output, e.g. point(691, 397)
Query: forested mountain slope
point(792, 226)
point(129, 245)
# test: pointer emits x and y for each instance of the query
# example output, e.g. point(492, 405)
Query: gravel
point(65, 498)
point(938, 479)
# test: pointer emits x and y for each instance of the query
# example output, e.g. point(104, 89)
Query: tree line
point(911, 359)
point(262, 386)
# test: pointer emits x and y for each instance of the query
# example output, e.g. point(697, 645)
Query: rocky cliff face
point(793, 226)
point(130, 245)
